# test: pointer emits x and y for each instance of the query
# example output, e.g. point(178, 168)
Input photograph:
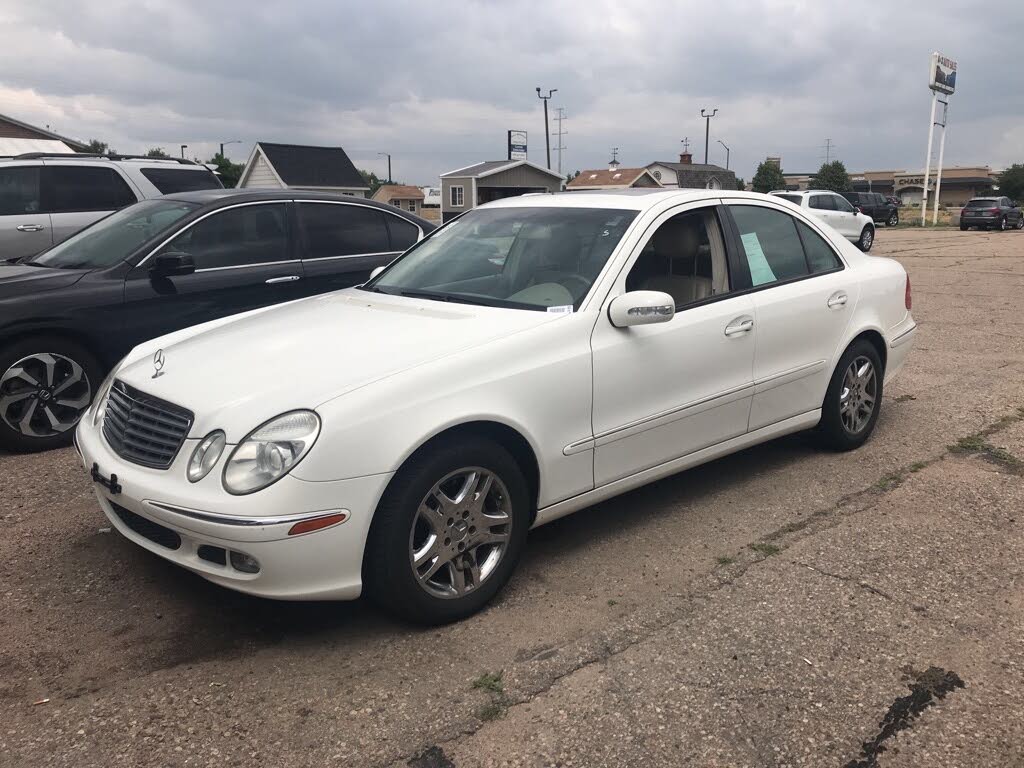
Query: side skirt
point(576, 503)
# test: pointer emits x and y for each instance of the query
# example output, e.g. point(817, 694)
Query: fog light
point(244, 563)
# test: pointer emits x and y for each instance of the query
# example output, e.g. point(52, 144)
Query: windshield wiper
point(455, 298)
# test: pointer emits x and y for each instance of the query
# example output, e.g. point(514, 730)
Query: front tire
point(853, 399)
point(448, 531)
point(866, 239)
point(1003, 224)
point(46, 384)
point(1020, 221)
point(894, 219)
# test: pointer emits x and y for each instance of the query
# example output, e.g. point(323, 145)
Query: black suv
point(991, 213)
point(876, 205)
point(68, 314)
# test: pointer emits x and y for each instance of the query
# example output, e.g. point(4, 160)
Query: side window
point(820, 256)
point(821, 202)
point(457, 196)
point(685, 258)
point(70, 189)
point(842, 204)
point(340, 229)
point(403, 233)
point(250, 234)
point(770, 244)
point(19, 190)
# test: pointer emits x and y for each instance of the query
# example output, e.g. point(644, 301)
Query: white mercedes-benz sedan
point(527, 360)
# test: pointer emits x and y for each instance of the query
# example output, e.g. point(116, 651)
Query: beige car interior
point(685, 258)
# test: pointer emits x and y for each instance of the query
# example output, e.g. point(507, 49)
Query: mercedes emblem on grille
point(158, 362)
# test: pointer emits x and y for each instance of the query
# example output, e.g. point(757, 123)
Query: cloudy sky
point(438, 83)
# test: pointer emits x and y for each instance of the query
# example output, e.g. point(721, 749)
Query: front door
point(803, 299)
point(24, 229)
point(666, 390)
point(845, 218)
point(244, 260)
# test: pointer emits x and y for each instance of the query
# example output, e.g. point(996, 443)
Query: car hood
point(19, 279)
point(236, 373)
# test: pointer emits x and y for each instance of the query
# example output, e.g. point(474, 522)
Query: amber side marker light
point(318, 523)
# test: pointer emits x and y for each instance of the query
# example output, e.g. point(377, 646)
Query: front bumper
point(322, 565)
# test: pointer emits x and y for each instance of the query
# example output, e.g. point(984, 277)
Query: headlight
point(100, 401)
point(205, 456)
point(270, 452)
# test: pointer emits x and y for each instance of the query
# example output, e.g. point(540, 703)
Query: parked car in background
point(534, 357)
point(875, 205)
point(894, 200)
point(836, 211)
point(69, 314)
point(47, 198)
point(991, 213)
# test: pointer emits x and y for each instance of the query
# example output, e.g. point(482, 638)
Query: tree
point(740, 185)
point(371, 180)
point(1011, 182)
point(97, 147)
point(833, 177)
point(156, 152)
point(571, 175)
point(229, 172)
point(768, 177)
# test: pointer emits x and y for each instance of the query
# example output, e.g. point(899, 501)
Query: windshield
point(526, 258)
point(113, 239)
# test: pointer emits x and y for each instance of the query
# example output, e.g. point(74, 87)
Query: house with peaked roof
point(17, 138)
point(466, 188)
point(296, 166)
point(403, 196)
point(613, 178)
point(687, 174)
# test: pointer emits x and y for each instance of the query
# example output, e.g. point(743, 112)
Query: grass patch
point(969, 444)
point(492, 710)
point(725, 560)
point(905, 398)
point(888, 482)
point(490, 682)
point(917, 466)
point(612, 603)
point(764, 548)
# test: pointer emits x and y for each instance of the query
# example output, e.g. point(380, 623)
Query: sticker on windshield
point(760, 270)
point(563, 310)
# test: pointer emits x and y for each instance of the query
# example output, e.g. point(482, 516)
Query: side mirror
point(641, 308)
point(376, 271)
point(172, 263)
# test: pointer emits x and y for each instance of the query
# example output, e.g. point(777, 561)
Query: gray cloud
point(437, 84)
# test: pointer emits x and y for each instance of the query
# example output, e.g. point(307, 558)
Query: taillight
point(906, 296)
point(993, 210)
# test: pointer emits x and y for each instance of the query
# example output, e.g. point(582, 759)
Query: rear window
point(791, 198)
point(171, 180)
point(982, 203)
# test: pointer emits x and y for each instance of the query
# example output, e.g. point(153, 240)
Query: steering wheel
point(578, 280)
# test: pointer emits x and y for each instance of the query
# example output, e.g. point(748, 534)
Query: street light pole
point(726, 154)
point(233, 141)
point(547, 132)
point(707, 130)
point(388, 156)
point(183, 148)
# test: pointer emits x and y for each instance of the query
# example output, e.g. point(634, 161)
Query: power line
point(560, 133)
point(829, 149)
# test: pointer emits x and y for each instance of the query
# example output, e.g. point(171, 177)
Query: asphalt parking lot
point(783, 606)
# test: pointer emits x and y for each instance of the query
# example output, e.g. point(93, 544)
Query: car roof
point(627, 199)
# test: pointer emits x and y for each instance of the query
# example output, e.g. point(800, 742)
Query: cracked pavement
point(784, 606)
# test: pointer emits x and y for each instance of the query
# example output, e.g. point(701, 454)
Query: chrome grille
point(144, 429)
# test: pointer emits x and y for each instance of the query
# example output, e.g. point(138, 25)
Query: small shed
point(403, 196)
point(466, 188)
point(613, 178)
point(687, 174)
point(296, 166)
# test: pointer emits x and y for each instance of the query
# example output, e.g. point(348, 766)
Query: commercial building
point(295, 166)
point(959, 183)
point(465, 188)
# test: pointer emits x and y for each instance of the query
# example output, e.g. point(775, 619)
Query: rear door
point(823, 207)
point(341, 243)
point(77, 195)
point(24, 227)
point(804, 297)
point(245, 259)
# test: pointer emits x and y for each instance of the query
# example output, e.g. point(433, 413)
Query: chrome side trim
point(222, 519)
point(247, 266)
point(785, 377)
point(904, 337)
point(310, 260)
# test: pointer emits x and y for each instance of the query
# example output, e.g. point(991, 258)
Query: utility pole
point(707, 130)
point(388, 156)
point(560, 133)
point(828, 150)
point(726, 154)
point(233, 141)
point(547, 130)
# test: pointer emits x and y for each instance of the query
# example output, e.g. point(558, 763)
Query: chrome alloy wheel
point(460, 533)
point(44, 394)
point(858, 396)
point(867, 238)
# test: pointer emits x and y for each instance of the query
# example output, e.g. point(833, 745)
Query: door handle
point(30, 227)
point(837, 299)
point(739, 325)
point(284, 279)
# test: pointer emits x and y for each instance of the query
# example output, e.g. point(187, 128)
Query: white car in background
point(529, 359)
point(836, 211)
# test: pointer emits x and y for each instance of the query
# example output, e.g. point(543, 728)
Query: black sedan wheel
point(894, 219)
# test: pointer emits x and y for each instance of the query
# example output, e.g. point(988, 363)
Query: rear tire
point(401, 572)
point(866, 239)
point(46, 384)
point(1003, 225)
point(853, 399)
point(964, 227)
point(894, 219)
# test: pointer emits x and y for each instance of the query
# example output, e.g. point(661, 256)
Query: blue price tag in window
point(760, 270)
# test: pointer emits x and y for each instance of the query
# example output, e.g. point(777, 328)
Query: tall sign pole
point(941, 79)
